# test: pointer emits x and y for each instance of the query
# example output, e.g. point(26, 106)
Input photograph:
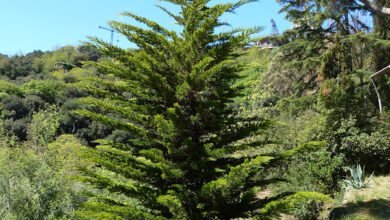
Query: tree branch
point(378, 8)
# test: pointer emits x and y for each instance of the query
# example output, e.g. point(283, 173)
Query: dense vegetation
point(194, 125)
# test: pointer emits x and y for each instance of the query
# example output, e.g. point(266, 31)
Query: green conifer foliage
point(173, 95)
point(307, 45)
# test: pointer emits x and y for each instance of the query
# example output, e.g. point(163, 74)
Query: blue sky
point(27, 25)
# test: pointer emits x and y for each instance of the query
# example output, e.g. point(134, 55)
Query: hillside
point(198, 124)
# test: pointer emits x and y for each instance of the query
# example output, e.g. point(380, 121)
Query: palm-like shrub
point(358, 178)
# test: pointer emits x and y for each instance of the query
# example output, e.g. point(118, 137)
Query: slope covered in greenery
point(191, 125)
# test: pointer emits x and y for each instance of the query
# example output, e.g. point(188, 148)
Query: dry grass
point(372, 202)
point(379, 188)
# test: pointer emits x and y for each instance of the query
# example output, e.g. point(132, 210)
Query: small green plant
point(358, 179)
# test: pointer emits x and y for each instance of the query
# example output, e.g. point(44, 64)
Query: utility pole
point(111, 30)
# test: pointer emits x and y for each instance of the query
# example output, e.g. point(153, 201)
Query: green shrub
point(15, 107)
point(10, 88)
point(369, 145)
point(48, 90)
point(34, 180)
point(316, 171)
point(34, 103)
point(295, 106)
point(17, 128)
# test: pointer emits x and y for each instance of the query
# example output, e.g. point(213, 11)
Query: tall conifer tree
point(173, 94)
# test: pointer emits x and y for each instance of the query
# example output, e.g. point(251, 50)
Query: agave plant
point(358, 179)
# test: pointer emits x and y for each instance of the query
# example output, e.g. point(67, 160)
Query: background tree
point(332, 60)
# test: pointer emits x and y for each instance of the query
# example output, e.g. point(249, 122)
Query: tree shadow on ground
point(374, 209)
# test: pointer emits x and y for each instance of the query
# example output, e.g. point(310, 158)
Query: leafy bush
point(35, 184)
point(48, 61)
point(317, 171)
point(15, 107)
point(34, 103)
point(366, 145)
point(48, 90)
point(18, 128)
point(44, 126)
point(10, 88)
point(295, 106)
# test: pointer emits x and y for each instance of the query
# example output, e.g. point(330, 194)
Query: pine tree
point(317, 22)
point(173, 94)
